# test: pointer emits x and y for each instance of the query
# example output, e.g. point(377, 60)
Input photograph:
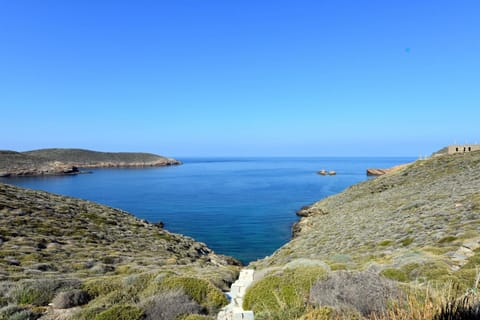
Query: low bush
point(169, 305)
point(70, 299)
point(202, 291)
point(102, 285)
point(137, 283)
point(14, 312)
point(40, 292)
point(121, 312)
point(8, 311)
point(88, 313)
point(430, 271)
point(365, 292)
point(25, 315)
point(282, 295)
point(394, 274)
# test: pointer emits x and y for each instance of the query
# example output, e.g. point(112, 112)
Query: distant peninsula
point(68, 161)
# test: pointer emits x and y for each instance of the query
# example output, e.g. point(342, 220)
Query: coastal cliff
point(95, 261)
point(67, 161)
point(417, 224)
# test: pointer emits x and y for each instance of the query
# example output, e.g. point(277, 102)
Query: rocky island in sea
point(68, 161)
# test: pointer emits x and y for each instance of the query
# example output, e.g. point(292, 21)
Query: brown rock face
point(376, 172)
point(379, 172)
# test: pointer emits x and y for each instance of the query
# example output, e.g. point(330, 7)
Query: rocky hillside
point(419, 224)
point(94, 159)
point(67, 161)
point(18, 164)
point(50, 244)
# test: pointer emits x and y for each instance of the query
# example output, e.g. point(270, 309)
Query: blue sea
point(242, 207)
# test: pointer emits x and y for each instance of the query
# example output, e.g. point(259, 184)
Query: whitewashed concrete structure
point(464, 148)
point(234, 310)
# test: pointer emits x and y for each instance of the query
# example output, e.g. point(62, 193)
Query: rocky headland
point(69, 161)
point(410, 232)
point(66, 258)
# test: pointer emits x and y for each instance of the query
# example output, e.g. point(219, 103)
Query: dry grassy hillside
point(99, 262)
point(418, 225)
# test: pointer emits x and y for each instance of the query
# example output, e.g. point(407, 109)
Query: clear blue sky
point(202, 78)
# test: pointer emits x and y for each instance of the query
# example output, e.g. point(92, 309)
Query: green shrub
point(3, 301)
point(88, 313)
point(169, 305)
point(40, 292)
point(447, 239)
point(338, 266)
point(13, 312)
point(406, 242)
point(114, 298)
point(8, 311)
point(431, 271)
point(102, 286)
point(137, 283)
point(202, 291)
point(282, 293)
point(24, 315)
point(121, 312)
point(394, 274)
point(385, 243)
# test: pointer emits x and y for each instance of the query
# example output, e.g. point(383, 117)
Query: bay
point(242, 207)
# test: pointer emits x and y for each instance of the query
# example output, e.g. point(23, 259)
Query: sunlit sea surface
point(242, 207)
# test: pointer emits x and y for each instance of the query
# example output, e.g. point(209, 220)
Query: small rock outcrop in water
point(324, 172)
point(67, 161)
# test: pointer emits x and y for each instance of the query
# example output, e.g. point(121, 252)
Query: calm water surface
point(243, 207)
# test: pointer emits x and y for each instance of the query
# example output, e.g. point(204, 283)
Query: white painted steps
point(234, 310)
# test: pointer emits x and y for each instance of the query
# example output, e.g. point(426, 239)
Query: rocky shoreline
point(414, 228)
point(50, 162)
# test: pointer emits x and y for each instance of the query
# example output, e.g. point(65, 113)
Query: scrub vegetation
point(67, 258)
point(411, 237)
